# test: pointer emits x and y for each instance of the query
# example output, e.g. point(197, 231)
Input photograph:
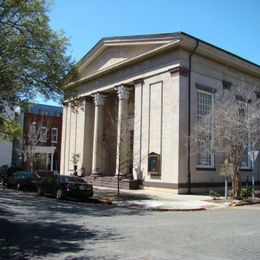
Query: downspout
point(189, 115)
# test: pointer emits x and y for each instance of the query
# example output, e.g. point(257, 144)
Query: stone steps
point(111, 182)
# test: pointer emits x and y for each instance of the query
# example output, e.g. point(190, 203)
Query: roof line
point(125, 37)
point(221, 49)
point(30, 103)
point(175, 34)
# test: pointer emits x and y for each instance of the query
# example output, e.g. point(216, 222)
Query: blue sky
point(233, 25)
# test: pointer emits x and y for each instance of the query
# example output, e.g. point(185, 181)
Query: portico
point(106, 129)
point(107, 125)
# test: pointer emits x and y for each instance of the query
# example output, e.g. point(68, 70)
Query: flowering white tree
point(233, 126)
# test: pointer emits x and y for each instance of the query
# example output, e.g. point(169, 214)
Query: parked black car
point(3, 170)
point(9, 172)
point(22, 180)
point(65, 186)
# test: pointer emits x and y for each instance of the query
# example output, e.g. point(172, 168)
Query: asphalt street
point(34, 227)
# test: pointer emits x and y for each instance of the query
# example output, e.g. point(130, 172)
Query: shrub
point(214, 194)
point(75, 158)
point(245, 192)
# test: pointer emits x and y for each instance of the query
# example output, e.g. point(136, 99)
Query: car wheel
point(18, 187)
point(59, 194)
point(39, 191)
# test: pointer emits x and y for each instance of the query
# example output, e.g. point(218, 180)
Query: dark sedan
point(65, 186)
point(3, 170)
point(22, 180)
point(8, 173)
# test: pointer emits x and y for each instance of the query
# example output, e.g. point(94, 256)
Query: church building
point(137, 100)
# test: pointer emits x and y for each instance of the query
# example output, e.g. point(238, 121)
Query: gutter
point(189, 116)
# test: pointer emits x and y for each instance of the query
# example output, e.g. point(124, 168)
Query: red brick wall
point(44, 121)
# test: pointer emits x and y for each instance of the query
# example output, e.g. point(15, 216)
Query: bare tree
point(36, 134)
point(120, 132)
point(233, 128)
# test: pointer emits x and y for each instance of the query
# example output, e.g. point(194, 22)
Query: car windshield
point(73, 179)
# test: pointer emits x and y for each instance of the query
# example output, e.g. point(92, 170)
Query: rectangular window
point(54, 135)
point(242, 110)
point(32, 133)
point(246, 164)
point(205, 156)
point(43, 134)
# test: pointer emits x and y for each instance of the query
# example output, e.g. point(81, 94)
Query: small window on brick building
point(32, 133)
point(43, 134)
point(54, 135)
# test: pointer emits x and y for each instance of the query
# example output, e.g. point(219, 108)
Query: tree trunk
point(236, 185)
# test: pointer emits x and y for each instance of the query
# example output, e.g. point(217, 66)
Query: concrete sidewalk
point(157, 199)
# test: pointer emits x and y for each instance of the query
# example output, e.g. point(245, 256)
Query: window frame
point(242, 106)
point(212, 156)
point(32, 136)
point(249, 161)
point(43, 140)
point(57, 131)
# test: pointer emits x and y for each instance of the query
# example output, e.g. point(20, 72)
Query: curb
point(176, 210)
point(147, 208)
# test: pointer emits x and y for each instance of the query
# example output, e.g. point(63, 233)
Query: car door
point(12, 180)
point(52, 185)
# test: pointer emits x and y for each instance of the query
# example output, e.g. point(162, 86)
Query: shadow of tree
point(22, 240)
point(32, 226)
point(16, 199)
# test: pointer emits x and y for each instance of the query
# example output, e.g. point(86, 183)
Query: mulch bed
point(123, 197)
point(234, 203)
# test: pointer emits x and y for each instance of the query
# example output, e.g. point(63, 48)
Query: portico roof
point(140, 47)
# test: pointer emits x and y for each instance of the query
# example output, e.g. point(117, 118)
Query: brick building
point(41, 133)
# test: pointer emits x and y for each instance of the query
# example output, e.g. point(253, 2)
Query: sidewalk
point(157, 199)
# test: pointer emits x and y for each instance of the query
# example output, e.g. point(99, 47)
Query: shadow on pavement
point(21, 240)
point(36, 204)
point(32, 226)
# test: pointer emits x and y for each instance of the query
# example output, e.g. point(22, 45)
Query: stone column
point(97, 157)
point(47, 161)
point(52, 161)
point(88, 124)
point(122, 130)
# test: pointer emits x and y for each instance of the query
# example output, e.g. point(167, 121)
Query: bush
point(245, 192)
point(214, 194)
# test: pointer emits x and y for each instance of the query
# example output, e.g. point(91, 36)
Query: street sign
point(226, 169)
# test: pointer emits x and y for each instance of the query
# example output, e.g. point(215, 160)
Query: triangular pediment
point(112, 51)
point(113, 55)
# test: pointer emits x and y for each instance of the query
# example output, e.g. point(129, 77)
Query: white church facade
point(139, 99)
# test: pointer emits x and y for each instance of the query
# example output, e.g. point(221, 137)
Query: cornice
point(182, 71)
point(139, 81)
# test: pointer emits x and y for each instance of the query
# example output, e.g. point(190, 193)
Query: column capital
point(99, 99)
point(122, 92)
